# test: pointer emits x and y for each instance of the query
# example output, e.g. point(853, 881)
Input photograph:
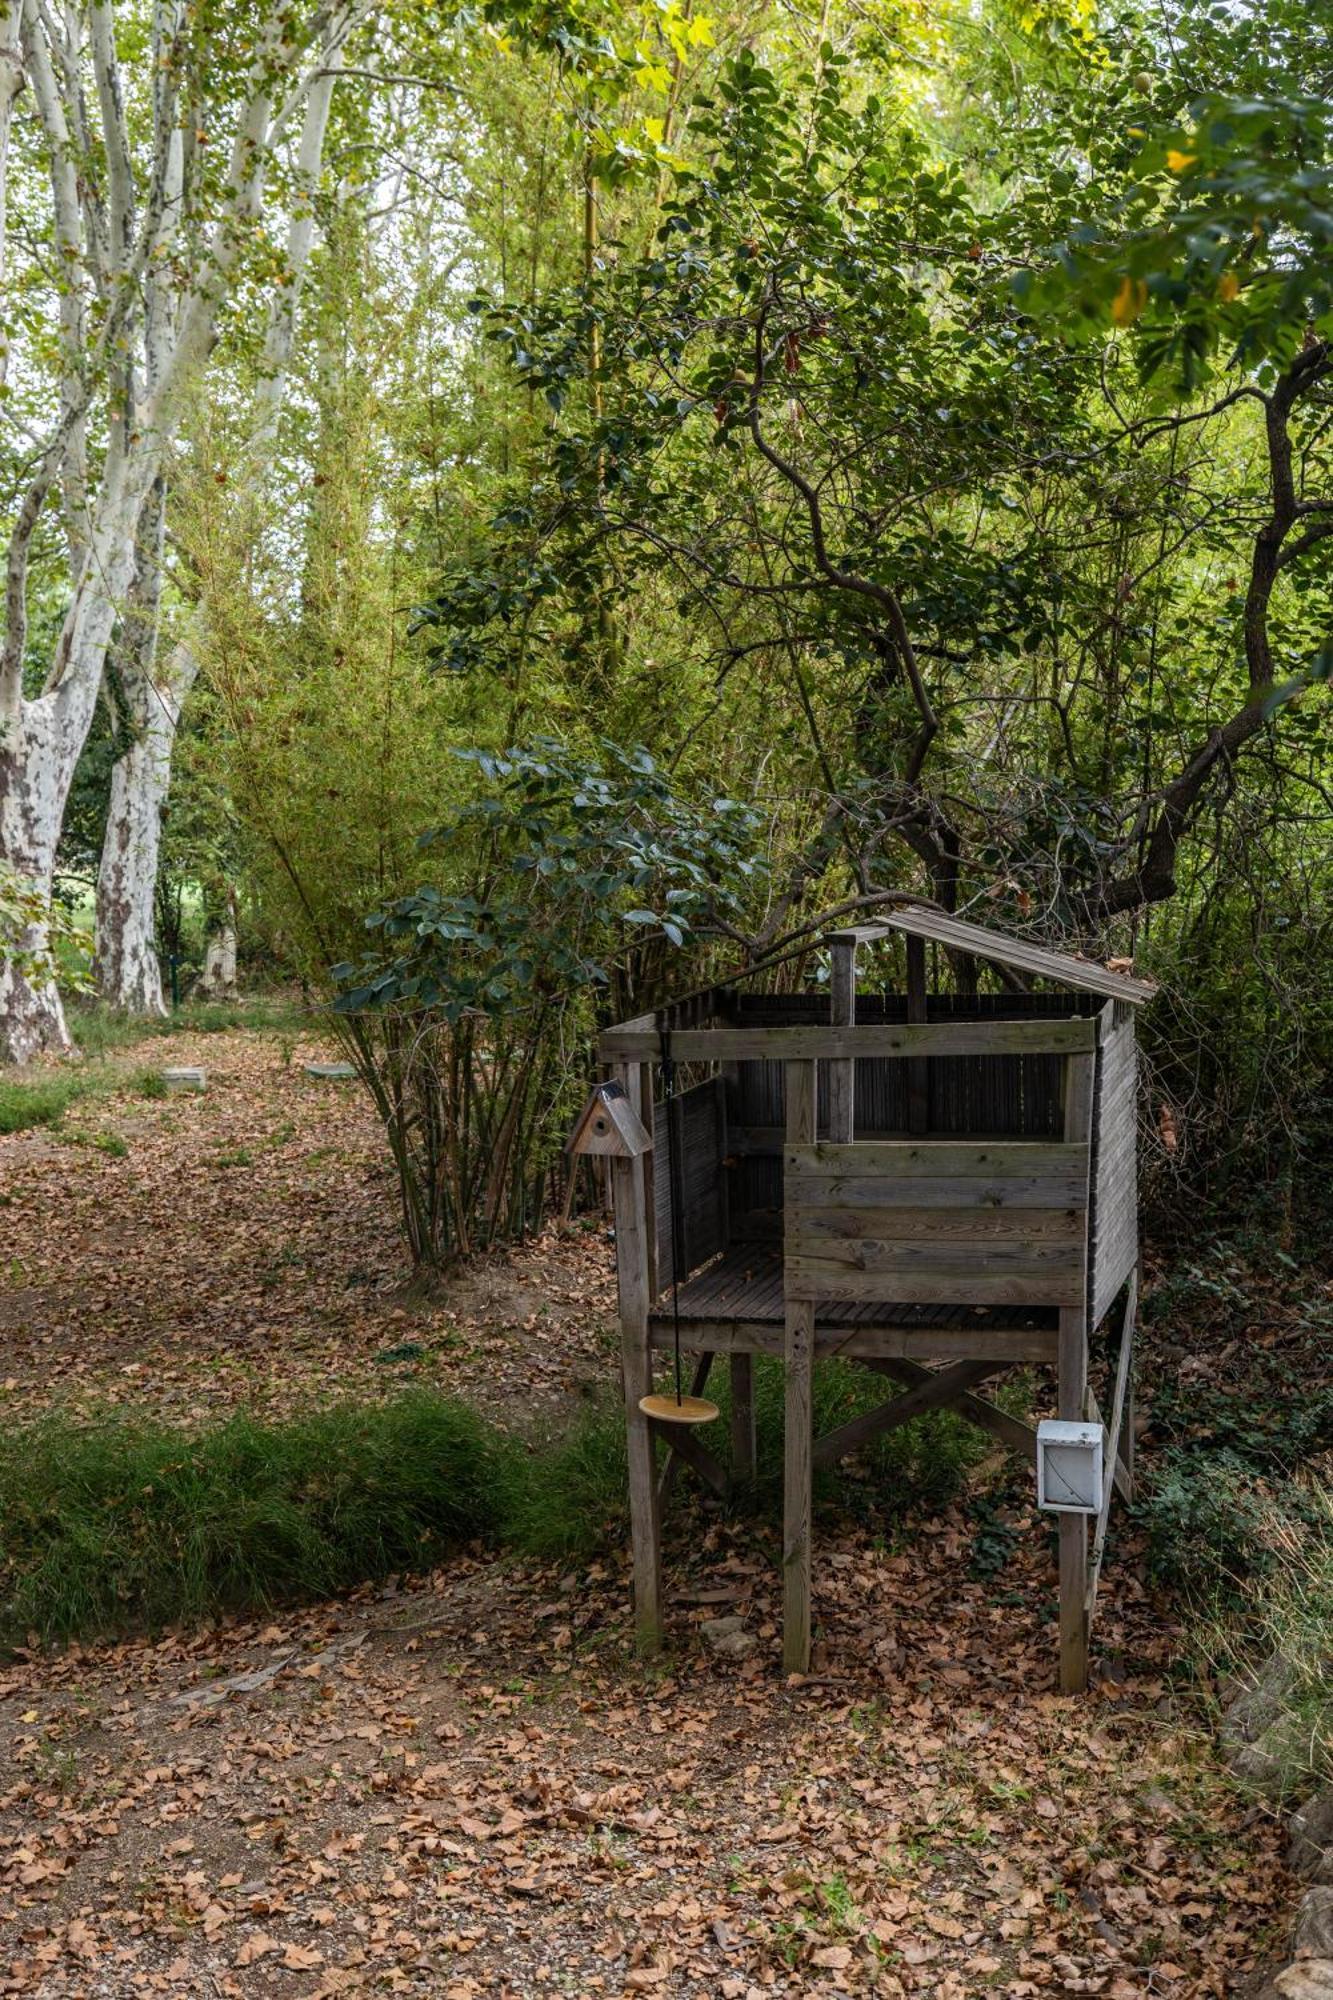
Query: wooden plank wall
point(1115, 1207)
point(1015, 1096)
point(701, 1134)
point(938, 1222)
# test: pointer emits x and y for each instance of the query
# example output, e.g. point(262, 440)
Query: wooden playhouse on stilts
point(938, 1185)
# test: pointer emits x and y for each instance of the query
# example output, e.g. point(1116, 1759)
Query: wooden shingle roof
point(1001, 948)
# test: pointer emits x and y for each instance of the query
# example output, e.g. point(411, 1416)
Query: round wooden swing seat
point(685, 1410)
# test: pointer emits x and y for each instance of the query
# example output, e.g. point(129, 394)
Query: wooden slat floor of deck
point(745, 1283)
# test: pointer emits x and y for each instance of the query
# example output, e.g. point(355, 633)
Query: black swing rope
point(668, 1067)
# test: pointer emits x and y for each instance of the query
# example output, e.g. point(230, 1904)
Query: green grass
point(122, 1523)
point(101, 1031)
point(41, 1102)
point(110, 1143)
point(119, 1523)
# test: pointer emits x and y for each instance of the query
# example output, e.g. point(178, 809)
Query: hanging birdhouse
point(609, 1125)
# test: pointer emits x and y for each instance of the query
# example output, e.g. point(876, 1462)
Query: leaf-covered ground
point(188, 1253)
point(464, 1785)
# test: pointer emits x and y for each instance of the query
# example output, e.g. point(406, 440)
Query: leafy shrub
point(39, 937)
point(1211, 1526)
point(576, 877)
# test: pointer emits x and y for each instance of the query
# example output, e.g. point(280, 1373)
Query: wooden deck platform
point(735, 1305)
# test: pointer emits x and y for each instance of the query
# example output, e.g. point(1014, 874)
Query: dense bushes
point(570, 878)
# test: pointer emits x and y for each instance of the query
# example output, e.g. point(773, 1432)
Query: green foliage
point(117, 1523)
point(1235, 1428)
point(1204, 221)
point(584, 857)
point(125, 1523)
point(44, 1101)
point(40, 940)
point(1209, 1524)
point(584, 874)
point(568, 1496)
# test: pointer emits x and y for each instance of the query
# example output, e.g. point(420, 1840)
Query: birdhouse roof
point(608, 1124)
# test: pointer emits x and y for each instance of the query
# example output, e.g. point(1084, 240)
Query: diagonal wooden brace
point(1011, 1431)
point(697, 1456)
point(673, 1433)
point(1117, 1474)
point(932, 1389)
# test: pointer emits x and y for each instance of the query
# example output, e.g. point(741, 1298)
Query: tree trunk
point(126, 966)
point(217, 981)
point(37, 759)
point(41, 741)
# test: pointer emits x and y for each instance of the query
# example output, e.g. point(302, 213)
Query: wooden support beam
point(671, 1434)
point(799, 1358)
point(1010, 1431)
point(1057, 1036)
point(918, 1073)
point(938, 1389)
point(1007, 1346)
point(743, 1445)
point(632, 1255)
point(1073, 1396)
point(842, 1014)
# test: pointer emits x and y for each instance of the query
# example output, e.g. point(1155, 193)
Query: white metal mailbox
point(1070, 1466)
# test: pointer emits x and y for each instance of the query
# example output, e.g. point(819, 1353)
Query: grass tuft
point(43, 1101)
point(101, 1031)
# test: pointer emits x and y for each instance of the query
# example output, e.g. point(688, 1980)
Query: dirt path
point(465, 1786)
point(245, 1248)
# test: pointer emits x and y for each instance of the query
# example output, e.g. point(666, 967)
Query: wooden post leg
point(1073, 1390)
point(1073, 1603)
point(632, 1265)
point(742, 1417)
point(797, 1499)
point(1125, 1442)
point(644, 1506)
point(802, 1087)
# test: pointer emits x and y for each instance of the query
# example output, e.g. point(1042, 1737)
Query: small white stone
point(729, 1637)
point(1308, 1979)
point(185, 1079)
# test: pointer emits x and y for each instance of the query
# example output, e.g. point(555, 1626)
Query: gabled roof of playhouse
point(1000, 948)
